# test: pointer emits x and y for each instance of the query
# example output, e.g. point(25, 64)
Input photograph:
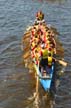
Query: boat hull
point(45, 82)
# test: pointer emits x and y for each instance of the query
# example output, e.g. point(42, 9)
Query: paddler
point(51, 51)
point(33, 32)
point(53, 46)
point(44, 57)
point(36, 56)
point(50, 60)
point(39, 17)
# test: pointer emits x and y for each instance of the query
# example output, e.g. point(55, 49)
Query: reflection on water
point(16, 85)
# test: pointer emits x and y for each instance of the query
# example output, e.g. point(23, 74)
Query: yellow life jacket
point(36, 40)
point(36, 56)
point(49, 60)
point(33, 44)
point(45, 53)
point(38, 49)
point(51, 52)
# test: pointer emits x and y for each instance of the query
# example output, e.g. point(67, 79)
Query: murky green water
point(16, 85)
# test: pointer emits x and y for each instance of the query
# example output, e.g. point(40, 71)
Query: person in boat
point(39, 32)
point(36, 56)
point(52, 43)
point(53, 46)
point(33, 32)
point(44, 58)
point(35, 41)
point(51, 60)
point(39, 18)
point(51, 51)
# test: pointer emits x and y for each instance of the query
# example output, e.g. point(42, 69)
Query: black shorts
point(43, 62)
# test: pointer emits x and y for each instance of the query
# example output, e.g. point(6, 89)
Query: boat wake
point(36, 101)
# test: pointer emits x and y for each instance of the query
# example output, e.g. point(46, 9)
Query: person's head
point(50, 49)
point(36, 36)
point(36, 51)
point(49, 32)
point(46, 29)
point(39, 32)
point(51, 44)
point(34, 27)
point(42, 46)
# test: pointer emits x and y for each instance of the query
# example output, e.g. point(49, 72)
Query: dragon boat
point(46, 79)
point(40, 31)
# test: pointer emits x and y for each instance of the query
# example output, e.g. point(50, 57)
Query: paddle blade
point(63, 63)
point(27, 48)
point(25, 37)
point(26, 55)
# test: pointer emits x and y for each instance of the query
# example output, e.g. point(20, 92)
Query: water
point(15, 15)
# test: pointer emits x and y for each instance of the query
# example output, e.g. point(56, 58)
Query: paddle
point(27, 55)
point(27, 48)
point(37, 92)
point(37, 89)
point(26, 37)
point(54, 30)
point(62, 62)
point(27, 34)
